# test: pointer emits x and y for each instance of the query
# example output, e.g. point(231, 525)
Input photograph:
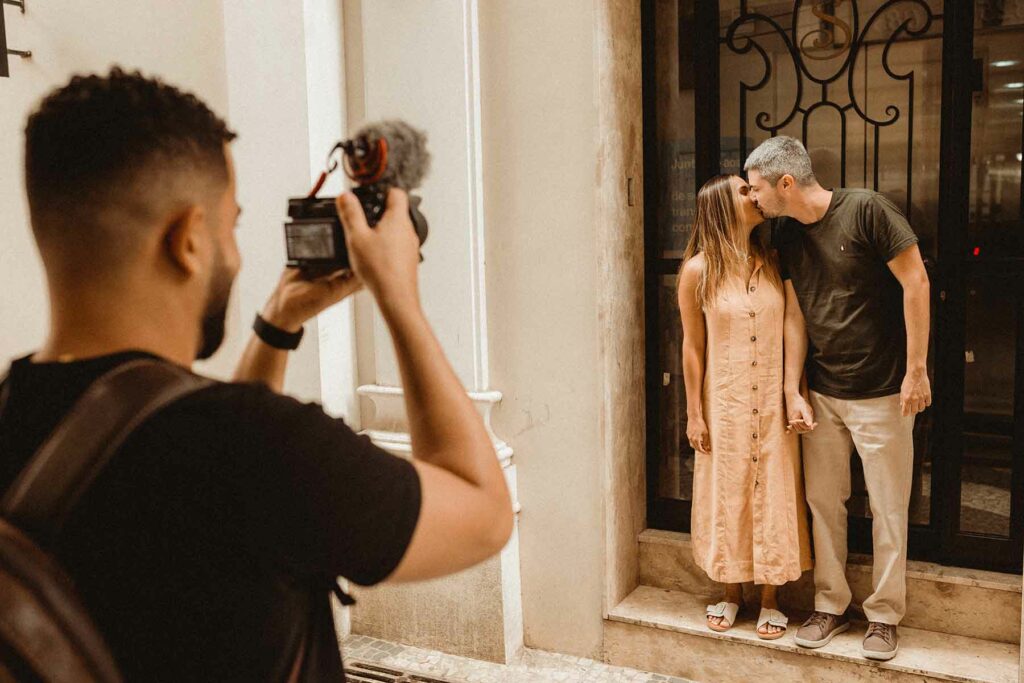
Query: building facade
point(568, 140)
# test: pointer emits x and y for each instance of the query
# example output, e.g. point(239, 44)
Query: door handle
point(978, 75)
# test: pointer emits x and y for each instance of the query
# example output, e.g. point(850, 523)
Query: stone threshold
point(530, 666)
point(923, 571)
point(960, 602)
point(923, 654)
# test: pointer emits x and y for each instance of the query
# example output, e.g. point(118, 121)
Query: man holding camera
point(231, 510)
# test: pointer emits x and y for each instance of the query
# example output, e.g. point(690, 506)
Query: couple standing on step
point(845, 272)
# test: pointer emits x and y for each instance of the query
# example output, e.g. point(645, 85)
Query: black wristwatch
point(275, 336)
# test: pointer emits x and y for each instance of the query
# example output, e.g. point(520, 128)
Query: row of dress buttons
point(753, 338)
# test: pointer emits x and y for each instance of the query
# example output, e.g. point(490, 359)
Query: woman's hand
point(697, 434)
point(801, 415)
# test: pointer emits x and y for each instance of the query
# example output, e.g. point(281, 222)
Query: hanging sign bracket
point(5, 52)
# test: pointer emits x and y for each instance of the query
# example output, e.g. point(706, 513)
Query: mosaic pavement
point(533, 666)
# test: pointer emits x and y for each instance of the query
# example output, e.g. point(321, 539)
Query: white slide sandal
point(772, 617)
point(726, 610)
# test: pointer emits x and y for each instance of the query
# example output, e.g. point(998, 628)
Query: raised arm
point(694, 349)
point(295, 300)
point(466, 512)
point(908, 267)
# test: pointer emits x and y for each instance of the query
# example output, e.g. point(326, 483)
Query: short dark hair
point(93, 145)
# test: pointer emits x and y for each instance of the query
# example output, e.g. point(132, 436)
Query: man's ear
point(787, 181)
point(185, 239)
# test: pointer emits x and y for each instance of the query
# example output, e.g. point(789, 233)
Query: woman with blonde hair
point(749, 519)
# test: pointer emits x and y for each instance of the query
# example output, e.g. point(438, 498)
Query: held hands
point(298, 298)
point(697, 433)
point(916, 393)
point(801, 415)
point(387, 256)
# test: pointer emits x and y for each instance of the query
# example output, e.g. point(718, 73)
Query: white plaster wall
point(327, 115)
point(182, 42)
point(266, 69)
point(255, 55)
point(285, 72)
point(540, 160)
point(420, 62)
point(416, 62)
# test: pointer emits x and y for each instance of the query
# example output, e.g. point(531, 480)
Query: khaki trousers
point(884, 440)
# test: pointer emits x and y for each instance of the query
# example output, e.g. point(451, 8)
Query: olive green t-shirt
point(851, 301)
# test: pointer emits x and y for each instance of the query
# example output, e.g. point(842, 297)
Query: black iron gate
point(921, 100)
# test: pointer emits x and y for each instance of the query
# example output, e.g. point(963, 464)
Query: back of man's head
point(779, 156)
point(107, 157)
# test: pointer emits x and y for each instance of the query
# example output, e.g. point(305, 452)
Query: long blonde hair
point(719, 235)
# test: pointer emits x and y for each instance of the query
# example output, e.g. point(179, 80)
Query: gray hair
point(779, 156)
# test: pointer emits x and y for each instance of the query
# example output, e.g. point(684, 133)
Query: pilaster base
point(476, 613)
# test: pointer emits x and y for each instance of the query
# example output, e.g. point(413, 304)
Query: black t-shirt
point(201, 539)
point(851, 301)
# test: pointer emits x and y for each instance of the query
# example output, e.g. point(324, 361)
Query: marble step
point(964, 602)
point(664, 631)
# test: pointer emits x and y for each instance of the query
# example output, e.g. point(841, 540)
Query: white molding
point(421, 62)
point(388, 427)
point(326, 90)
point(474, 144)
point(399, 443)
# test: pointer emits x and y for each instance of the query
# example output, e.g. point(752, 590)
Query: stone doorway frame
point(620, 296)
point(620, 240)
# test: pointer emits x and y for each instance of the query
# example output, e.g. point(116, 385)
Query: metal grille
point(362, 672)
point(840, 42)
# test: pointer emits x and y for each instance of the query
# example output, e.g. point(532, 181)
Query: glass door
point(881, 92)
point(981, 351)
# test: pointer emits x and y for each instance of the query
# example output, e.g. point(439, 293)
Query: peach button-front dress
point(749, 519)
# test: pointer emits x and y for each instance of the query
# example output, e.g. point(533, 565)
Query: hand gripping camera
point(380, 156)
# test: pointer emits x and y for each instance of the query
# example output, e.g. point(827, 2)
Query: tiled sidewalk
point(533, 666)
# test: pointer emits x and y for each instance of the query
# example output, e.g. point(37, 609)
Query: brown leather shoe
point(820, 628)
point(881, 641)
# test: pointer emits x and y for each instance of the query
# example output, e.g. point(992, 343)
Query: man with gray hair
point(852, 270)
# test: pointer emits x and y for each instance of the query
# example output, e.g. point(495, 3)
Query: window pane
point(675, 476)
point(673, 72)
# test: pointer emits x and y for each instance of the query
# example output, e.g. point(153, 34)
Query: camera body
point(314, 238)
point(381, 156)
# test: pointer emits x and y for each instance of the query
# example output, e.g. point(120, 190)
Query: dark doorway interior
point(922, 100)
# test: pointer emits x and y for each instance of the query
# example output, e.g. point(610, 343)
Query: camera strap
point(364, 162)
point(5, 392)
point(319, 184)
point(44, 494)
point(329, 168)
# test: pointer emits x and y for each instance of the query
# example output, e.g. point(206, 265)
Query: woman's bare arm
point(694, 348)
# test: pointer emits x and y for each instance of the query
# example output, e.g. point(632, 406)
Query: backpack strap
point(5, 390)
point(44, 494)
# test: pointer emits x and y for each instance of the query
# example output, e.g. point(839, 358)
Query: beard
point(215, 315)
point(779, 209)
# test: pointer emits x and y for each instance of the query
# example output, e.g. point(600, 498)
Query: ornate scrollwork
point(5, 51)
point(905, 26)
point(832, 37)
point(824, 37)
point(763, 118)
